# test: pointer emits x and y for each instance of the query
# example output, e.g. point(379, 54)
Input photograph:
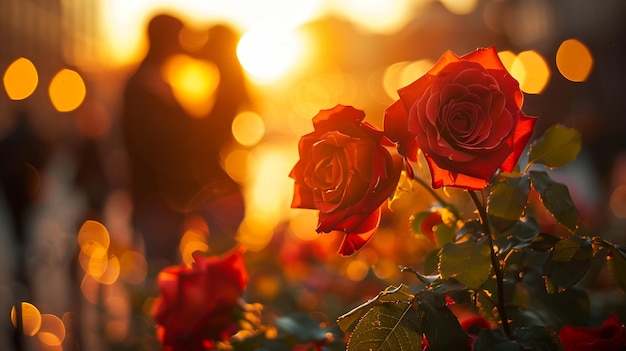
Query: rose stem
point(432, 191)
point(494, 262)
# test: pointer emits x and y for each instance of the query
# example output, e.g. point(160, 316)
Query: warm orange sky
point(123, 21)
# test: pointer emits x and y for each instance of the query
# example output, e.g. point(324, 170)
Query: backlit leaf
point(568, 262)
point(544, 242)
point(389, 326)
point(509, 198)
point(519, 236)
point(347, 322)
point(555, 197)
point(469, 262)
point(557, 147)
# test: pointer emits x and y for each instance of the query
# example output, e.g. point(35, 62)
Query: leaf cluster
point(396, 319)
point(502, 262)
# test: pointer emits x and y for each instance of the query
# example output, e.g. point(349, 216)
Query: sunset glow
point(268, 53)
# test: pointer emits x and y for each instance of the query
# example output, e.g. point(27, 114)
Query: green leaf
point(399, 293)
point(469, 262)
point(440, 325)
point(348, 321)
point(518, 236)
point(557, 147)
point(444, 234)
point(568, 262)
point(616, 262)
point(389, 326)
point(509, 198)
point(544, 242)
point(555, 197)
point(470, 228)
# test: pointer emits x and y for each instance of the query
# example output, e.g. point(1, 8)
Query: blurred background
point(65, 66)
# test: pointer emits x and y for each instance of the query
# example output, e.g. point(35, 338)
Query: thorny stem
point(494, 262)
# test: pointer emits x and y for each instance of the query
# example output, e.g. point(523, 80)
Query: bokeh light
point(92, 235)
point(401, 74)
point(379, 16)
point(97, 262)
point(271, 189)
point(90, 289)
point(31, 318)
point(356, 270)
point(248, 128)
point(460, 7)
point(111, 273)
point(507, 57)
point(302, 224)
point(67, 90)
point(193, 83)
point(192, 241)
point(531, 71)
point(267, 53)
point(235, 164)
point(20, 79)
point(574, 60)
point(52, 332)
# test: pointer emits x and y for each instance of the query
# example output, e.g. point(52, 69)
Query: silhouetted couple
point(175, 157)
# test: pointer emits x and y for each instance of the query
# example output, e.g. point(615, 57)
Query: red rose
point(609, 337)
point(464, 114)
point(346, 172)
point(197, 303)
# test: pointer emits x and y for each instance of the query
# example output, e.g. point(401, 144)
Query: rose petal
point(441, 177)
point(522, 134)
point(354, 241)
point(397, 129)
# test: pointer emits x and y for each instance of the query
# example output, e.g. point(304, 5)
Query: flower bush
point(464, 117)
point(495, 279)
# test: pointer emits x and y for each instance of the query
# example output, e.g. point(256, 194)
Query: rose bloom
point(346, 172)
point(609, 337)
point(464, 114)
point(197, 303)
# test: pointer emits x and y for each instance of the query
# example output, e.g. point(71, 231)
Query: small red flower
point(197, 303)
point(609, 337)
point(346, 172)
point(464, 114)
